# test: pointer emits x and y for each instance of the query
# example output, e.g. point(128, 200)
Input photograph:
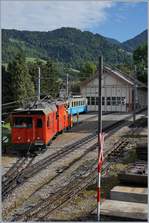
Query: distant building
point(117, 91)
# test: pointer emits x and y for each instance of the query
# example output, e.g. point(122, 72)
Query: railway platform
point(124, 210)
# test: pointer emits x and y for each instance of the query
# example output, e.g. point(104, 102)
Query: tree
point(140, 60)
point(6, 86)
point(87, 70)
point(21, 83)
point(49, 76)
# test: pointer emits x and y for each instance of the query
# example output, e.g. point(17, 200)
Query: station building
point(117, 91)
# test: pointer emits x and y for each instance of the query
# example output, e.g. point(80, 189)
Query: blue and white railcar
point(77, 105)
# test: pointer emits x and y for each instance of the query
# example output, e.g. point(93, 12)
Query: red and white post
point(100, 135)
point(100, 162)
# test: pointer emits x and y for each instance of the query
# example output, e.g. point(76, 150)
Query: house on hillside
point(117, 91)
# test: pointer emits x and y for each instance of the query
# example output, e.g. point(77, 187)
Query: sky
point(114, 19)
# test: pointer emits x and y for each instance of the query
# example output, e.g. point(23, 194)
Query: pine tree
point(22, 86)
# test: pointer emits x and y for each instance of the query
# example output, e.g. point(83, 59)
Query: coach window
point(39, 123)
point(48, 122)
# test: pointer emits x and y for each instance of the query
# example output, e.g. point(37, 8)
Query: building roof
point(114, 71)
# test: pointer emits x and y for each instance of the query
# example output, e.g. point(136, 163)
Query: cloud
point(49, 15)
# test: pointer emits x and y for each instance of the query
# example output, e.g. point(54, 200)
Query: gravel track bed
point(57, 183)
point(84, 203)
point(27, 189)
point(43, 177)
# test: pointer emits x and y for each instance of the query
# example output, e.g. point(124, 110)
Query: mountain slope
point(68, 45)
point(133, 43)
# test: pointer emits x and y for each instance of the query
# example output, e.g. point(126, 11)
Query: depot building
point(117, 91)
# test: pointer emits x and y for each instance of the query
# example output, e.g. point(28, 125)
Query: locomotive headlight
point(19, 137)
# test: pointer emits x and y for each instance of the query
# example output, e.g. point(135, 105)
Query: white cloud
point(49, 15)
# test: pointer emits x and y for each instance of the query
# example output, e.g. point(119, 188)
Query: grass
point(6, 131)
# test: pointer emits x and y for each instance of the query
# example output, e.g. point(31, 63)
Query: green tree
point(21, 83)
point(140, 60)
point(6, 86)
point(87, 70)
point(50, 73)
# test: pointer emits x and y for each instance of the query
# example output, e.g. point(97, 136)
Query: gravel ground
point(33, 190)
point(81, 206)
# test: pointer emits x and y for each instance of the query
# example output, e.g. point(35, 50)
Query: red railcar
point(62, 116)
point(35, 126)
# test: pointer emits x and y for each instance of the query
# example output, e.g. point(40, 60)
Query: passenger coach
point(76, 105)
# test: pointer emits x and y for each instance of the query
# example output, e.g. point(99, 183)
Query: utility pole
point(67, 87)
point(100, 96)
point(134, 97)
point(38, 91)
point(99, 131)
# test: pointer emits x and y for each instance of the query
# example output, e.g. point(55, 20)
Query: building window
point(114, 101)
point(88, 100)
point(96, 100)
point(123, 100)
point(103, 100)
point(118, 100)
point(92, 100)
point(108, 101)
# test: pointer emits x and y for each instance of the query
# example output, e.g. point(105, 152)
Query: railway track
point(40, 211)
point(23, 172)
point(10, 179)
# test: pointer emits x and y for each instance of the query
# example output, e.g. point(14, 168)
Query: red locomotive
point(35, 126)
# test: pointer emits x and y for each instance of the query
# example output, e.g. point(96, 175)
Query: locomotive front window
point(39, 123)
point(22, 122)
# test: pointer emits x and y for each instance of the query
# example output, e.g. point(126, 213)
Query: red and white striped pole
point(100, 71)
point(100, 162)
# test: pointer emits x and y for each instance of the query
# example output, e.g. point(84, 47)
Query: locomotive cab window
point(22, 122)
point(39, 123)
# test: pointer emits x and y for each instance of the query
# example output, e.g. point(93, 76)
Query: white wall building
point(117, 91)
